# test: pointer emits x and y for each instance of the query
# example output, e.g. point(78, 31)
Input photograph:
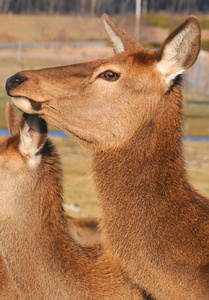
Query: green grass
point(161, 20)
point(196, 126)
point(166, 20)
point(47, 28)
point(205, 45)
point(78, 181)
point(157, 45)
point(197, 158)
point(204, 22)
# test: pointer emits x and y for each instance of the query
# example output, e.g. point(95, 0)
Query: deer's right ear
point(13, 121)
point(120, 39)
point(33, 136)
point(180, 49)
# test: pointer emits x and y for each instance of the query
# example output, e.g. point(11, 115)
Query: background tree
point(98, 7)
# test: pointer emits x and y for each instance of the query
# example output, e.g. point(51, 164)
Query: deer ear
point(180, 49)
point(33, 135)
point(120, 39)
point(13, 121)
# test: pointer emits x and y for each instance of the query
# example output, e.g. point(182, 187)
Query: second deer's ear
point(180, 49)
point(13, 121)
point(33, 135)
point(120, 39)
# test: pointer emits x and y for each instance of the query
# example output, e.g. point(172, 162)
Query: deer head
point(102, 103)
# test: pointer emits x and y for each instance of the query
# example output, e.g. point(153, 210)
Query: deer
point(127, 112)
point(42, 258)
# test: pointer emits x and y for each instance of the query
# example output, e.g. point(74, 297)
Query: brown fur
point(83, 230)
point(42, 258)
point(154, 221)
point(8, 290)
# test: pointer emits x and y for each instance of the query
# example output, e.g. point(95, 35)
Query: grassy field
point(49, 28)
point(78, 183)
point(40, 28)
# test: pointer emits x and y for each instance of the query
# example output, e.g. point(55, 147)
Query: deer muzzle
point(14, 82)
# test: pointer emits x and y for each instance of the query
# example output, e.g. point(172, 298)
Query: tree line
point(97, 7)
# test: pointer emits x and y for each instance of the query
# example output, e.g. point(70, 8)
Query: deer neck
point(35, 240)
point(151, 158)
point(138, 181)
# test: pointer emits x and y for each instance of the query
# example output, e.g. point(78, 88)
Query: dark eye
point(109, 75)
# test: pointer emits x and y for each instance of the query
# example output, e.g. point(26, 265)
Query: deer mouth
point(26, 104)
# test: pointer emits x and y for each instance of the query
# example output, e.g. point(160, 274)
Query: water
point(5, 132)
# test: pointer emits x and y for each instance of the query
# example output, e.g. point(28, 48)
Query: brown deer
point(83, 230)
point(42, 258)
point(127, 111)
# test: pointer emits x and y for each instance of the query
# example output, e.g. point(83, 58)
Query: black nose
point(13, 82)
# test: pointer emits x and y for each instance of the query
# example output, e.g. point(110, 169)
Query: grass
point(78, 181)
point(65, 28)
point(161, 20)
point(49, 28)
point(205, 45)
point(46, 28)
point(166, 20)
point(196, 126)
point(197, 158)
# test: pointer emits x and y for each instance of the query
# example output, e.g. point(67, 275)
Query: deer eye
point(109, 75)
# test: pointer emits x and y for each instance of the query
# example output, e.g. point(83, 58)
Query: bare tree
point(93, 7)
point(100, 6)
point(1, 5)
point(6, 6)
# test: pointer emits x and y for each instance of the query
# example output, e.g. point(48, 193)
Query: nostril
point(13, 82)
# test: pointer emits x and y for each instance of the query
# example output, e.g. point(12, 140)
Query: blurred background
point(46, 33)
